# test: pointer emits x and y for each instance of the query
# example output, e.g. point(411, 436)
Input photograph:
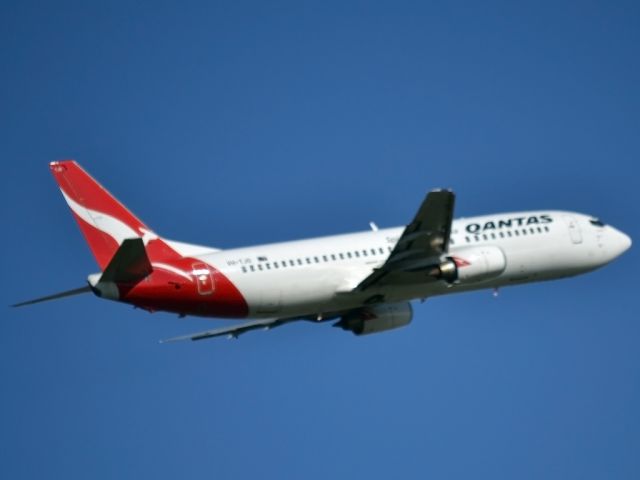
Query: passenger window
point(315, 259)
point(299, 261)
point(308, 260)
point(252, 268)
point(508, 233)
point(501, 234)
point(467, 239)
point(341, 256)
point(546, 229)
point(364, 253)
point(244, 269)
point(267, 266)
point(324, 257)
point(357, 254)
point(348, 254)
point(381, 250)
point(373, 251)
point(260, 266)
point(284, 263)
point(333, 256)
point(493, 235)
point(484, 236)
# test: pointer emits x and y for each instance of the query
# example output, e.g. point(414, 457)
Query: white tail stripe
point(113, 227)
point(173, 269)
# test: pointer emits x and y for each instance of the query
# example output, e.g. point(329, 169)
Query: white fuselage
point(317, 276)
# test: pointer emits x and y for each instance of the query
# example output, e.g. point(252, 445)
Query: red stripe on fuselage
point(172, 292)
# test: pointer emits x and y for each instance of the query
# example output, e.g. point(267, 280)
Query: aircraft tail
point(104, 221)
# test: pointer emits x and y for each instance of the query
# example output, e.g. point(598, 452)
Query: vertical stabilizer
point(104, 221)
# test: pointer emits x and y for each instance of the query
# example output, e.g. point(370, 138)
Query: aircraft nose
point(621, 242)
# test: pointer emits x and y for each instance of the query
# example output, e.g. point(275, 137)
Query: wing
point(235, 331)
point(423, 241)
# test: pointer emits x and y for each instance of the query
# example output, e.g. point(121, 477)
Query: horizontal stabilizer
point(55, 296)
point(129, 264)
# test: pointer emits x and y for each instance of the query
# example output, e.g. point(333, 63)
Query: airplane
point(364, 281)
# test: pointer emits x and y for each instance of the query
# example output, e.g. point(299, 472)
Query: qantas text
point(507, 223)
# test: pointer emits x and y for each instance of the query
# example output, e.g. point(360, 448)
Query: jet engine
point(469, 265)
point(377, 318)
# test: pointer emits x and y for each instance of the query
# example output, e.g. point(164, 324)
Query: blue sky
point(234, 123)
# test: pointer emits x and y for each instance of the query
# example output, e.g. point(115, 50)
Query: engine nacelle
point(377, 318)
point(476, 264)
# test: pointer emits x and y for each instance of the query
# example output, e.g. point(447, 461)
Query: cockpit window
point(596, 222)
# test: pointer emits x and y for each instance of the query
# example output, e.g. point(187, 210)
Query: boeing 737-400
point(365, 281)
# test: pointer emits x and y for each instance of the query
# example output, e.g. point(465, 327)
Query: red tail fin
point(104, 221)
